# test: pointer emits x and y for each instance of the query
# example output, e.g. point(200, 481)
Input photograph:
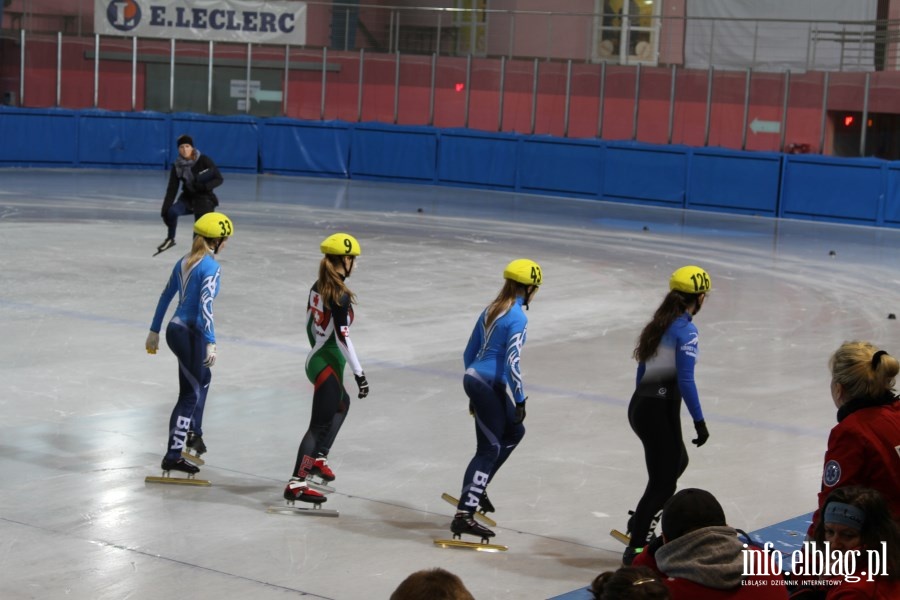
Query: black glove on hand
point(471, 408)
point(702, 433)
point(520, 411)
point(363, 385)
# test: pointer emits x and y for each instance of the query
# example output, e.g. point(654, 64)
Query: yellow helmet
point(690, 280)
point(214, 225)
point(340, 244)
point(523, 271)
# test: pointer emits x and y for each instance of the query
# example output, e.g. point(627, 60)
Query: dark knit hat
point(185, 139)
point(690, 509)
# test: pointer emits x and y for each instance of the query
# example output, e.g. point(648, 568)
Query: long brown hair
point(330, 284)
point(672, 307)
point(504, 300)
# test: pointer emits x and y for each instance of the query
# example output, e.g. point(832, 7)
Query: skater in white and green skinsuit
point(328, 318)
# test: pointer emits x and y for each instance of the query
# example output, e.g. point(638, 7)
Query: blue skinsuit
point(187, 335)
point(655, 416)
point(491, 359)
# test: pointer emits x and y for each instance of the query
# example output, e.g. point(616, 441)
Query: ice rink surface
point(84, 410)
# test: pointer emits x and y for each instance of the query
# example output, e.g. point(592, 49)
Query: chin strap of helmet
point(528, 293)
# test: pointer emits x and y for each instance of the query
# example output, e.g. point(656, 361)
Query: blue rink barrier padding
point(892, 202)
point(123, 140)
point(32, 137)
point(861, 191)
point(645, 174)
point(834, 189)
point(785, 537)
point(310, 148)
point(400, 154)
point(561, 167)
point(734, 181)
point(232, 142)
point(478, 159)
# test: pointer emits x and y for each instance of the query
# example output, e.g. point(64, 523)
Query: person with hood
point(701, 558)
point(198, 176)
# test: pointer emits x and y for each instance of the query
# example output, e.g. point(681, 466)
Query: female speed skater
point(191, 335)
point(666, 352)
point(328, 318)
point(491, 360)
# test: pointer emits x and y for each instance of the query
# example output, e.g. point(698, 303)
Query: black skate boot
point(464, 522)
point(195, 443)
point(179, 465)
point(629, 554)
point(167, 243)
point(485, 506)
point(194, 448)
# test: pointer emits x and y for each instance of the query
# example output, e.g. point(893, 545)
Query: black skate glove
point(363, 385)
point(520, 412)
point(471, 408)
point(702, 433)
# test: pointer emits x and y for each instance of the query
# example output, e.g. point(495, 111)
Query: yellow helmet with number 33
point(214, 226)
point(690, 280)
point(340, 244)
point(524, 271)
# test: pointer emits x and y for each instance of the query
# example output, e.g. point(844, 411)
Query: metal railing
point(402, 66)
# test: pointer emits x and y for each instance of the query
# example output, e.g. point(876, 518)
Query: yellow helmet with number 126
point(524, 271)
point(214, 226)
point(690, 280)
point(340, 244)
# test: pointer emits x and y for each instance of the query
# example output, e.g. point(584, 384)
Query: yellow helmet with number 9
point(524, 271)
point(340, 244)
point(214, 226)
point(690, 280)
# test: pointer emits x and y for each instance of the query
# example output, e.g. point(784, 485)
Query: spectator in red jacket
point(702, 558)
point(856, 519)
point(862, 447)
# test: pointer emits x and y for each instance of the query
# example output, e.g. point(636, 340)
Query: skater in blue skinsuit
point(666, 352)
point(492, 364)
point(191, 335)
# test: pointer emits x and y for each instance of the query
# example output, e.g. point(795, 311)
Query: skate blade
point(479, 516)
point(618, 535)
point(177, 480)
point(194, 458)
point(314, 511)
point(320, 487)
point(470, 545)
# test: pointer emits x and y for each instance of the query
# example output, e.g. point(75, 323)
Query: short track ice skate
point(179, 466)
point(314, 510)
point(194, 447)
point(319, 486)
point(478, 515)
point(625, 538)
point(167, 243)
point(482, 547)
point(465, 524)
point(621, 537)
